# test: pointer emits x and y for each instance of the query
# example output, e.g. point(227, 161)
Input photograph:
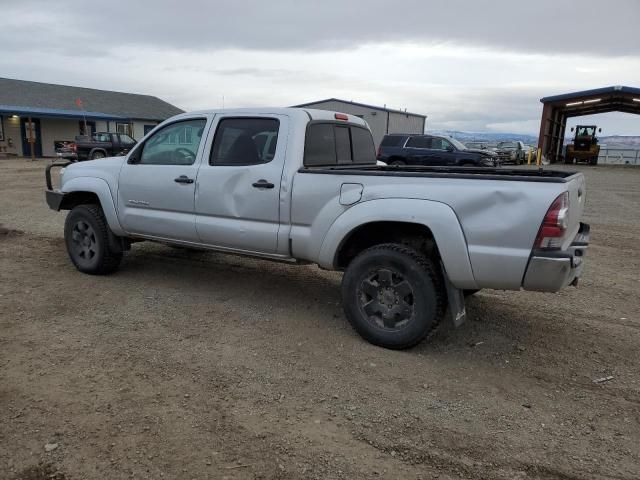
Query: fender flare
point(101, 188)
point(437, 216)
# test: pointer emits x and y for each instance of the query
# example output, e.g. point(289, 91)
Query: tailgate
point(577, 189)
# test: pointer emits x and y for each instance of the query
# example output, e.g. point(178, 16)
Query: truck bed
point(539, 175)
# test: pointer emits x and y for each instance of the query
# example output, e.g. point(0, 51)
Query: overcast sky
point(468, 64)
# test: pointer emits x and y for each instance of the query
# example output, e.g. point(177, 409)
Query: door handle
point(263, 184)
point(183, 179)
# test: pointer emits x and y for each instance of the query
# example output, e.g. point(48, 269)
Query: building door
point(90, 130)
point(35, 132)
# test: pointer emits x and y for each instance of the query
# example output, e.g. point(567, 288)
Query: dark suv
point(403, 149)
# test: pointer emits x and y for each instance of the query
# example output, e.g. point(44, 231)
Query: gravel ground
point(202, 365)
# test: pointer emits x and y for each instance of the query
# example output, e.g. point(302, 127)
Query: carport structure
point(558, 108)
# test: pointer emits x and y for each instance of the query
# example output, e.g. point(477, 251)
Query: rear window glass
point(320, 145)
point(331, 144)
point(343, 145)
point(419, 142)
point(392, 141)
point(363, 149)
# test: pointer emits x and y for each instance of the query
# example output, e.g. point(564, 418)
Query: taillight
point(379, 152)
point(554, 225)
point(74, 148)
point(341, 116)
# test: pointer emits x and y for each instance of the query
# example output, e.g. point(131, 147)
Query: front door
point(238, 192)
point(157, 184)
point(30, 131)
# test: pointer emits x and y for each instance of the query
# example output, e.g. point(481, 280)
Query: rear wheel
point(393, 296)
point(87, 237)
point(593, 161)
point(397, 162)
point(97, 155)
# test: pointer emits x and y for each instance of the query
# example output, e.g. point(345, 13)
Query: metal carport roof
point(558, 108)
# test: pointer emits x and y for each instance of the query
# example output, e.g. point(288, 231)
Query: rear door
point(237, 199)
point(156, 188)
point(419, 151)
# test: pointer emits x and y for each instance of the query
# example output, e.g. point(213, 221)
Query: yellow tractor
point(584, 147)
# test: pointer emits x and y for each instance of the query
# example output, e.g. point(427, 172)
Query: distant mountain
point(487, 137)
point(621, 141)
point(611, 141)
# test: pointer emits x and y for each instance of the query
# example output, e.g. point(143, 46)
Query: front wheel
point(87, 236)
point(393, 296)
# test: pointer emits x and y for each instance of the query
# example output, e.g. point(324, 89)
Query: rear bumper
point(550, 271)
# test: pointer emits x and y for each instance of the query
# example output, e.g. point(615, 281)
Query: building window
point(124, 128)
point(1, 130)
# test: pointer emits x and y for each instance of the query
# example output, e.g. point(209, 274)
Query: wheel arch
point(97, 149)
point(384, 220)
point(82, 190)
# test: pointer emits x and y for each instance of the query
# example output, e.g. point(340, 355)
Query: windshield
point(590, 131)
point(457, 144)
point(507, 145)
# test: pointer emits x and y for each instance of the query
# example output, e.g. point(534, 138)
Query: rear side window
point(331, 144)
point(419, 142)
point(392, 141)
point(244, 141)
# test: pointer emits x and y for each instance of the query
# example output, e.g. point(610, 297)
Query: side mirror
point(572, 129)
point(599, 130)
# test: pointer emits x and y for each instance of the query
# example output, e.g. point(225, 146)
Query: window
point(331, 144)
point(320, 145)
point(393, 140)
point(102, 137)
point(420, 142)
point(363, 149)
point(440, 144)
point(245, 141)
point(124, 128)
point(343, 145)
point(126, 139)
point(175, 144)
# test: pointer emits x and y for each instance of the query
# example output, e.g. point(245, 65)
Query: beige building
point(381, 120)
point(52, 114)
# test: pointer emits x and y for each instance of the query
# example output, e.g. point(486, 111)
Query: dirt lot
point(186, 365)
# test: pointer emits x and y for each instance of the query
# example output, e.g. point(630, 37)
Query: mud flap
point(455, 298)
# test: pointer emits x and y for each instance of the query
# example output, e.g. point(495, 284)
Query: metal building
point(381, 120)
point(558, 108)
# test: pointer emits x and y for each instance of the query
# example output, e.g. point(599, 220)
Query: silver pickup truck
point(300, 185)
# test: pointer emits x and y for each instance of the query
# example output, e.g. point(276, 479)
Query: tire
point(399, 163)
point(97, 155)
point(393, 296)
point(593, 161)
point(87, 237)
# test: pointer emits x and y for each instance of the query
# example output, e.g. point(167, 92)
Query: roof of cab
point(309, 113)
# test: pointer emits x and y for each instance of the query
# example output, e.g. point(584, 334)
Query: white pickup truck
point(302, 185)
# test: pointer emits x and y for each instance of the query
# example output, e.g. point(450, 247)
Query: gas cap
point(350, 193)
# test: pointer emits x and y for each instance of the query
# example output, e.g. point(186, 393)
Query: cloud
point(468, 65)
point(547, 26)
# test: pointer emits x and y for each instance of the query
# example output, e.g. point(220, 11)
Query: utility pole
point(31, 139)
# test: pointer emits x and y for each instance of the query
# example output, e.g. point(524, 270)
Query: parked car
point(102, 145)
point(512, 152)
point(409, 240)
point(65, 149)
point(478, 146)
point(431, 150)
